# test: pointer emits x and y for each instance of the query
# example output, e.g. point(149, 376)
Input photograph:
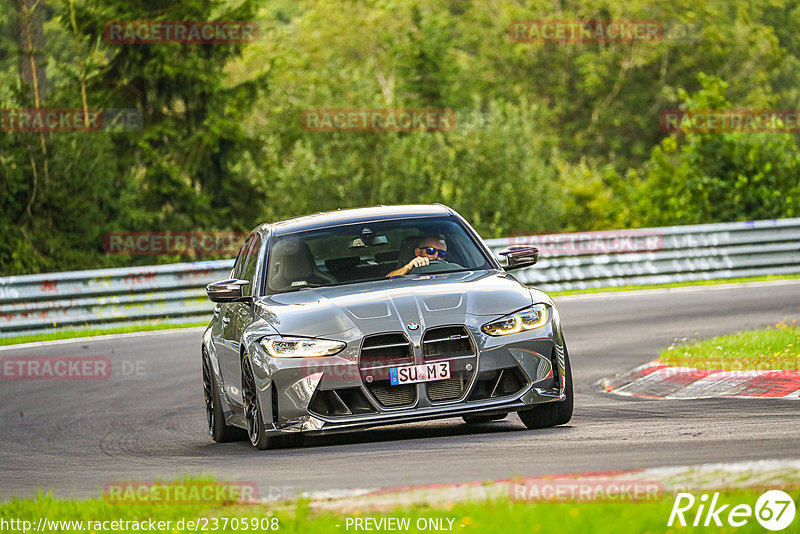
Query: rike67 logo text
point(774, 510)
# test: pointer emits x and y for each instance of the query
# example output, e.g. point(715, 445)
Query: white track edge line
point(104, 337)
point(680, 289)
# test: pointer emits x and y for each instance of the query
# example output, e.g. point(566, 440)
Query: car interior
point(336, 257)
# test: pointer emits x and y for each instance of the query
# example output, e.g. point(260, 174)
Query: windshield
point(361, 252)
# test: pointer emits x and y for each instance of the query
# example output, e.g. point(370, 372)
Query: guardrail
point(172, 293)
point(660, 255)
point(175, 293)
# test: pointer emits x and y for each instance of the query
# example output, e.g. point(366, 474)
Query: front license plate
point(426, 372)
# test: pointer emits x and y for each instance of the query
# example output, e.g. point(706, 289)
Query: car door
point(235, 316)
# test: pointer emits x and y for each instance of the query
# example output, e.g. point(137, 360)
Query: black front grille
point(450, 389)
point(452, 344)
point(446, 342)
point(386, 349)
point(378, 354)
point(394, 396)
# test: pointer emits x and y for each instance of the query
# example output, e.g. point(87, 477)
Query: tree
point(694, 178)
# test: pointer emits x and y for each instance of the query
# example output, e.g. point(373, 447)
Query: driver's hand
point(419, 261)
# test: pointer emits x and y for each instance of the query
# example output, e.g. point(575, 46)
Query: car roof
point(356, 215)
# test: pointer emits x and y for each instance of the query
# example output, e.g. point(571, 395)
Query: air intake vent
point(499, 383)
point(446, 389)
point(379, 353)
point(446, 342)
point(509, 383)
point(349, 401)
point(394, 396)
point(452, 344)
point(386, 349)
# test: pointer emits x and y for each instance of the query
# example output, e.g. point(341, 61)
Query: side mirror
point(226, 290)
point(520, 256)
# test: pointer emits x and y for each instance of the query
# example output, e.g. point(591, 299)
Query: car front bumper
point(288, 387)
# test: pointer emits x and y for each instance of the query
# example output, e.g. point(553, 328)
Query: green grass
point(69, 334)
point(774, 348)
point(767, 278)
point(493, 516)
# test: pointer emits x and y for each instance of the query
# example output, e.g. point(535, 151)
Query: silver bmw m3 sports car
point(349, 319)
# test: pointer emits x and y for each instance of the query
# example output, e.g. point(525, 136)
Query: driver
point(432, 247)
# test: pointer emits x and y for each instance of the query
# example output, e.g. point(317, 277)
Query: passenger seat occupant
point(429, 248)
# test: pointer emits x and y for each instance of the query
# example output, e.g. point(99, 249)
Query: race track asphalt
point(147, 421)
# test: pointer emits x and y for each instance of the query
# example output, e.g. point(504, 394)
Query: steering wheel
point(425, 268)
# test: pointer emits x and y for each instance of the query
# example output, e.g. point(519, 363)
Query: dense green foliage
point(549, 136)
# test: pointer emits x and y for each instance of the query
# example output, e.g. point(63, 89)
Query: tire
point(256, 430)
point(215, 418)
point(478, 419)
point(552, 413)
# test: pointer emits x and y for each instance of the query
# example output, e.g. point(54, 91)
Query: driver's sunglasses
point(433, 250)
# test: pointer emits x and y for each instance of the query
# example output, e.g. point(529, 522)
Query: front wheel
point(552, 413)
point(215, 418)
point(256, 430)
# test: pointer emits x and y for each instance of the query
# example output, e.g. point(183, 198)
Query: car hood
point(391, 304)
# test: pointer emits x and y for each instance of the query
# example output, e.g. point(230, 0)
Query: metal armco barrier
point(175, 293)
point(108, 297)
point(660, 255)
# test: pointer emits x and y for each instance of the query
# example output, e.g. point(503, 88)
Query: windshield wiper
point(310, 286)
point(298, 288)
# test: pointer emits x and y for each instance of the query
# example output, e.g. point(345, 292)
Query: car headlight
point(527, 319)
point(300, 347)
